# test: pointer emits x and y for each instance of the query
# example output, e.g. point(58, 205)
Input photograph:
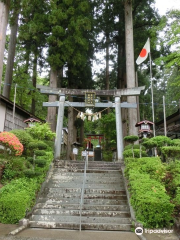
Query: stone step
point(88, 177)
point(76, 219)
point(65, 206)
point(58, 172)
point(95, 163)
point(86, 196)
point(72, 212)
point(88, 181)
point(86, 190)
point(84, 226)
point(114, 187)
point(93, 170)
point(86, 201)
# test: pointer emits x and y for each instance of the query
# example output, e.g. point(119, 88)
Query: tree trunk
point(34, 80)
point(130, 71)
point(51, 116)
point(121, 83)
point(11, 54)
point(4, 13)
point(81, 137)
point(107, 66)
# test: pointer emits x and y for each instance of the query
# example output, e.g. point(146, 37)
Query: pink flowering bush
point(10, 142)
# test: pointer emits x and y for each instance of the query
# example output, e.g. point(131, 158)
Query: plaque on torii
point(117, 93)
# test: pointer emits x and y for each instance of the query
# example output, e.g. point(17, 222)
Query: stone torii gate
point(62, 92)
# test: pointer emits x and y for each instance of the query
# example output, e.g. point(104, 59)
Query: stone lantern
point(144, 128)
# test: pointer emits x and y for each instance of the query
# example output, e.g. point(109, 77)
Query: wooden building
point(172, 125)
point(6, 115)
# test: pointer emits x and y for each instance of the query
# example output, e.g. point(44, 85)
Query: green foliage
point(150, 201)
point(149, 165)
point(148, 195)
point(131, 138)
point(107, 156)
point(33, 145)
point(40, 152)
point(14, 169)
point(136, 146)
point(16, 198)
point(29, 173)
point(50, 145)
point(23, 136)
point(128, 153)
point(177, 198)
point(171, 152)
point(30, 159)
point(42, 145)
point(175, 142)
point(107, 126)
point(41, 131)
point(40, 162)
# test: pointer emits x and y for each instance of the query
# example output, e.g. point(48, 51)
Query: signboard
point(90, 98)
point(75, 151)
point(89, 153)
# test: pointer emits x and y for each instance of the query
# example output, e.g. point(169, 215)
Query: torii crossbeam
point(117, 105)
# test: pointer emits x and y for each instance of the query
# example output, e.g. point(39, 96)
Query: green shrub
point(175, 142)
point(151, 203)
point(50, 144)
point(30, 159)
point(14, 169)
point(24, 137)
point(33, 145)
point(171, 151)
point(40, 162)
point(41, 131)
point(42, 145)
point(136, 146)
point(16, 198)
point(40, 152)
point(177, 198)
point(29, 173)
point(128, 153)
point(148, 165)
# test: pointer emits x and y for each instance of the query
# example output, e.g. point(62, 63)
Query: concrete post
point(119, 132)
point(59, 127)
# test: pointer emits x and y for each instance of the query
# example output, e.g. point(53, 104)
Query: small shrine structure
point(144, 128)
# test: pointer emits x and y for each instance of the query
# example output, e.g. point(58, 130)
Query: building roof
point(10, 103)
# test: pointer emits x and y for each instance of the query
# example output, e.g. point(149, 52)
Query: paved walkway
point(57, 234)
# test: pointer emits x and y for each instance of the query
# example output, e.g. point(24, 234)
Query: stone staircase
point(105, 203)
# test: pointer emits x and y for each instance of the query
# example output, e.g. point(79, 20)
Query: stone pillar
point(119, 132)
point(59, 127)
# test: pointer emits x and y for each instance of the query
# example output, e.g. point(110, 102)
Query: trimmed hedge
point(40, 152)
point(152, 205)
point(128, 153)
point(16, 198)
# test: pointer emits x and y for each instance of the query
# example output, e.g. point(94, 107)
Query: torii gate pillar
point(59, 127)
point(119, 132)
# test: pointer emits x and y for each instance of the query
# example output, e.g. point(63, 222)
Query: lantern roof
point(144, 122)
point(31, 120)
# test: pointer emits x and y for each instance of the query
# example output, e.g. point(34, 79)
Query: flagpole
point(152, 95)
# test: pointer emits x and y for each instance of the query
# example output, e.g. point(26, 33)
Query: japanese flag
point(144, 53)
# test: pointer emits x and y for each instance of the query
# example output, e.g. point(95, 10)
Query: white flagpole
point(152, 96)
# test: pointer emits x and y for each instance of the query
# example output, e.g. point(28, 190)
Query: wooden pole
point(14, 106)
point(164, 110)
